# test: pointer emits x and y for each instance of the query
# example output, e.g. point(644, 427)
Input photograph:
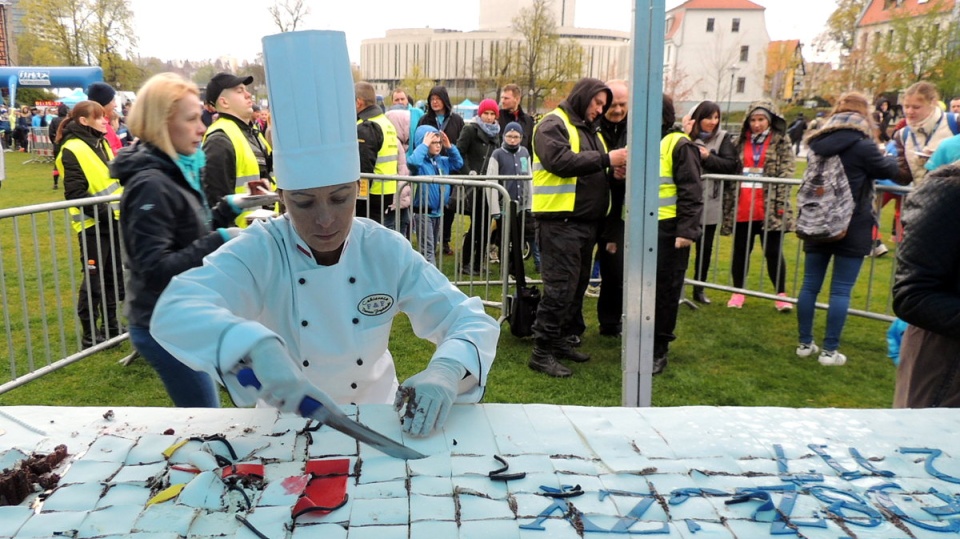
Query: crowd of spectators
point(573, 207)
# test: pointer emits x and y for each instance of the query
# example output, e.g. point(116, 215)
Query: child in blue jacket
point(430, 198)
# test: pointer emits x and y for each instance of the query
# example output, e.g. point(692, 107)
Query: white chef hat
point(312, 109)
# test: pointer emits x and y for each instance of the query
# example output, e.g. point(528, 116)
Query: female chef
point(307, 299)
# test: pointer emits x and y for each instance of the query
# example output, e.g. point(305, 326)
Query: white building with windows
point(462, 61)
point(715, 50)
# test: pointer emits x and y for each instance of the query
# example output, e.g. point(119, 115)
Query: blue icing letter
point(838, 505)
point(932, 455)
point(951, 526)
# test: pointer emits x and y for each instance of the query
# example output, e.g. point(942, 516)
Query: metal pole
point(640, 256)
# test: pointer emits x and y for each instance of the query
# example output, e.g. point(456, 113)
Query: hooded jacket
point(452, 123)
point(166, 225)
point(430, 198)
point(849, 136)
point(780, 163)
point(551, 142)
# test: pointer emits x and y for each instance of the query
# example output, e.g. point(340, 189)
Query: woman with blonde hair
point(850, 133)
point(927, 126)
point(168, 225)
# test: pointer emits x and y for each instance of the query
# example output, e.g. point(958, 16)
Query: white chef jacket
point(334, 320)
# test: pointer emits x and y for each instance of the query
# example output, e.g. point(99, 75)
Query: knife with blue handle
point(337, 420)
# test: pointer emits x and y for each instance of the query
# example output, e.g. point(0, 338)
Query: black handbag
point(523, 303)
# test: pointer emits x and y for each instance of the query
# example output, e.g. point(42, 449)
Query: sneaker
point(807, 350)
point(736, 301)
point(494, 254)
point(832, 358)
point(879, 249)
point(593, 291)
point(783, 306)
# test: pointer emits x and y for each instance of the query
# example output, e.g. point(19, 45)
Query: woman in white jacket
point(307, 299)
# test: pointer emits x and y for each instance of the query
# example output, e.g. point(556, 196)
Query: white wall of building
point(720, 65)
point(459, 58)
point(499, 14)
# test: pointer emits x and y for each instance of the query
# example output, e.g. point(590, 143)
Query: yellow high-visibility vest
point(386, 158)
point(99, 182)
point(668, 188)
point(248, 169)
point(551, 193)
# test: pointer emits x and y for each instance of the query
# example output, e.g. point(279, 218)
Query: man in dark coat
point(570, 200)
point(613, 129)
point(511, 111)
point(441, 116)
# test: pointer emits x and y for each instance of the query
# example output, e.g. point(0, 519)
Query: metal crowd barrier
point(872, 296)
point(492, 282)
point(40, 267)
point(40, 274)
point(40, 145)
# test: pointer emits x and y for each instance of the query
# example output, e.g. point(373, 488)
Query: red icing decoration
point(242, 469)
point(327, 486)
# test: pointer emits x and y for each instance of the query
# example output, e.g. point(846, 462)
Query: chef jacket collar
point(304, 249)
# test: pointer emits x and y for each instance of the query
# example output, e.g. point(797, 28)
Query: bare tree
point(546, 61)
point(416, 82)
point(288, 15)
point(718, 64)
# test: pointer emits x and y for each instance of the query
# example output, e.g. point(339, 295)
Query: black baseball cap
point(222, 81)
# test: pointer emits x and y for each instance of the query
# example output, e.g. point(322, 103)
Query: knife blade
point(337, 420)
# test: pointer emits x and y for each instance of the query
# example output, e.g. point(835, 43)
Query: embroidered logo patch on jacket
point(375, 304)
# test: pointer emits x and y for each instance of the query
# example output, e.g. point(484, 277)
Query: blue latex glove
point(426, 397)
point(894, 339)
point(282, 384)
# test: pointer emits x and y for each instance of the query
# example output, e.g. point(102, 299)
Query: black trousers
point(610, 302)
point(744, 237)
point(475, 240)
point(704, 252)
point(671, 269)
point(566, 251)
point(101, 288)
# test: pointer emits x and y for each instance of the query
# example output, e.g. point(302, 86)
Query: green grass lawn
point(722, 356)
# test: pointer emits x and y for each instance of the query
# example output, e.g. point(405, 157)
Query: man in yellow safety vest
point(571, 197)
point(236, 151)
point(678, 225)
point(378, 146)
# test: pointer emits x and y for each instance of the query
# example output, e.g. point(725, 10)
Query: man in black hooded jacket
point(440, 115)
point(571, 198)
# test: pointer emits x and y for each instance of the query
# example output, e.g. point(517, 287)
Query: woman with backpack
point(849, 133)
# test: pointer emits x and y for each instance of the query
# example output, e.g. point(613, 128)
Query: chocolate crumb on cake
point(18, 482)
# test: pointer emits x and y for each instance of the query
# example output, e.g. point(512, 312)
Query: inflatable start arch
point(48, 77)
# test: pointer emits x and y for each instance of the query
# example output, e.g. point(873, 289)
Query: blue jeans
point(427, 230)
point(188, 388)
point(845, 272)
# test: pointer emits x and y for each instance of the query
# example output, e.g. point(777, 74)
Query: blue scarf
point(492, 130)
point(705, 135)
point(191, 166)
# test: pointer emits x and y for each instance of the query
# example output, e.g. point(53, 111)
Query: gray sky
point(217, 28)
